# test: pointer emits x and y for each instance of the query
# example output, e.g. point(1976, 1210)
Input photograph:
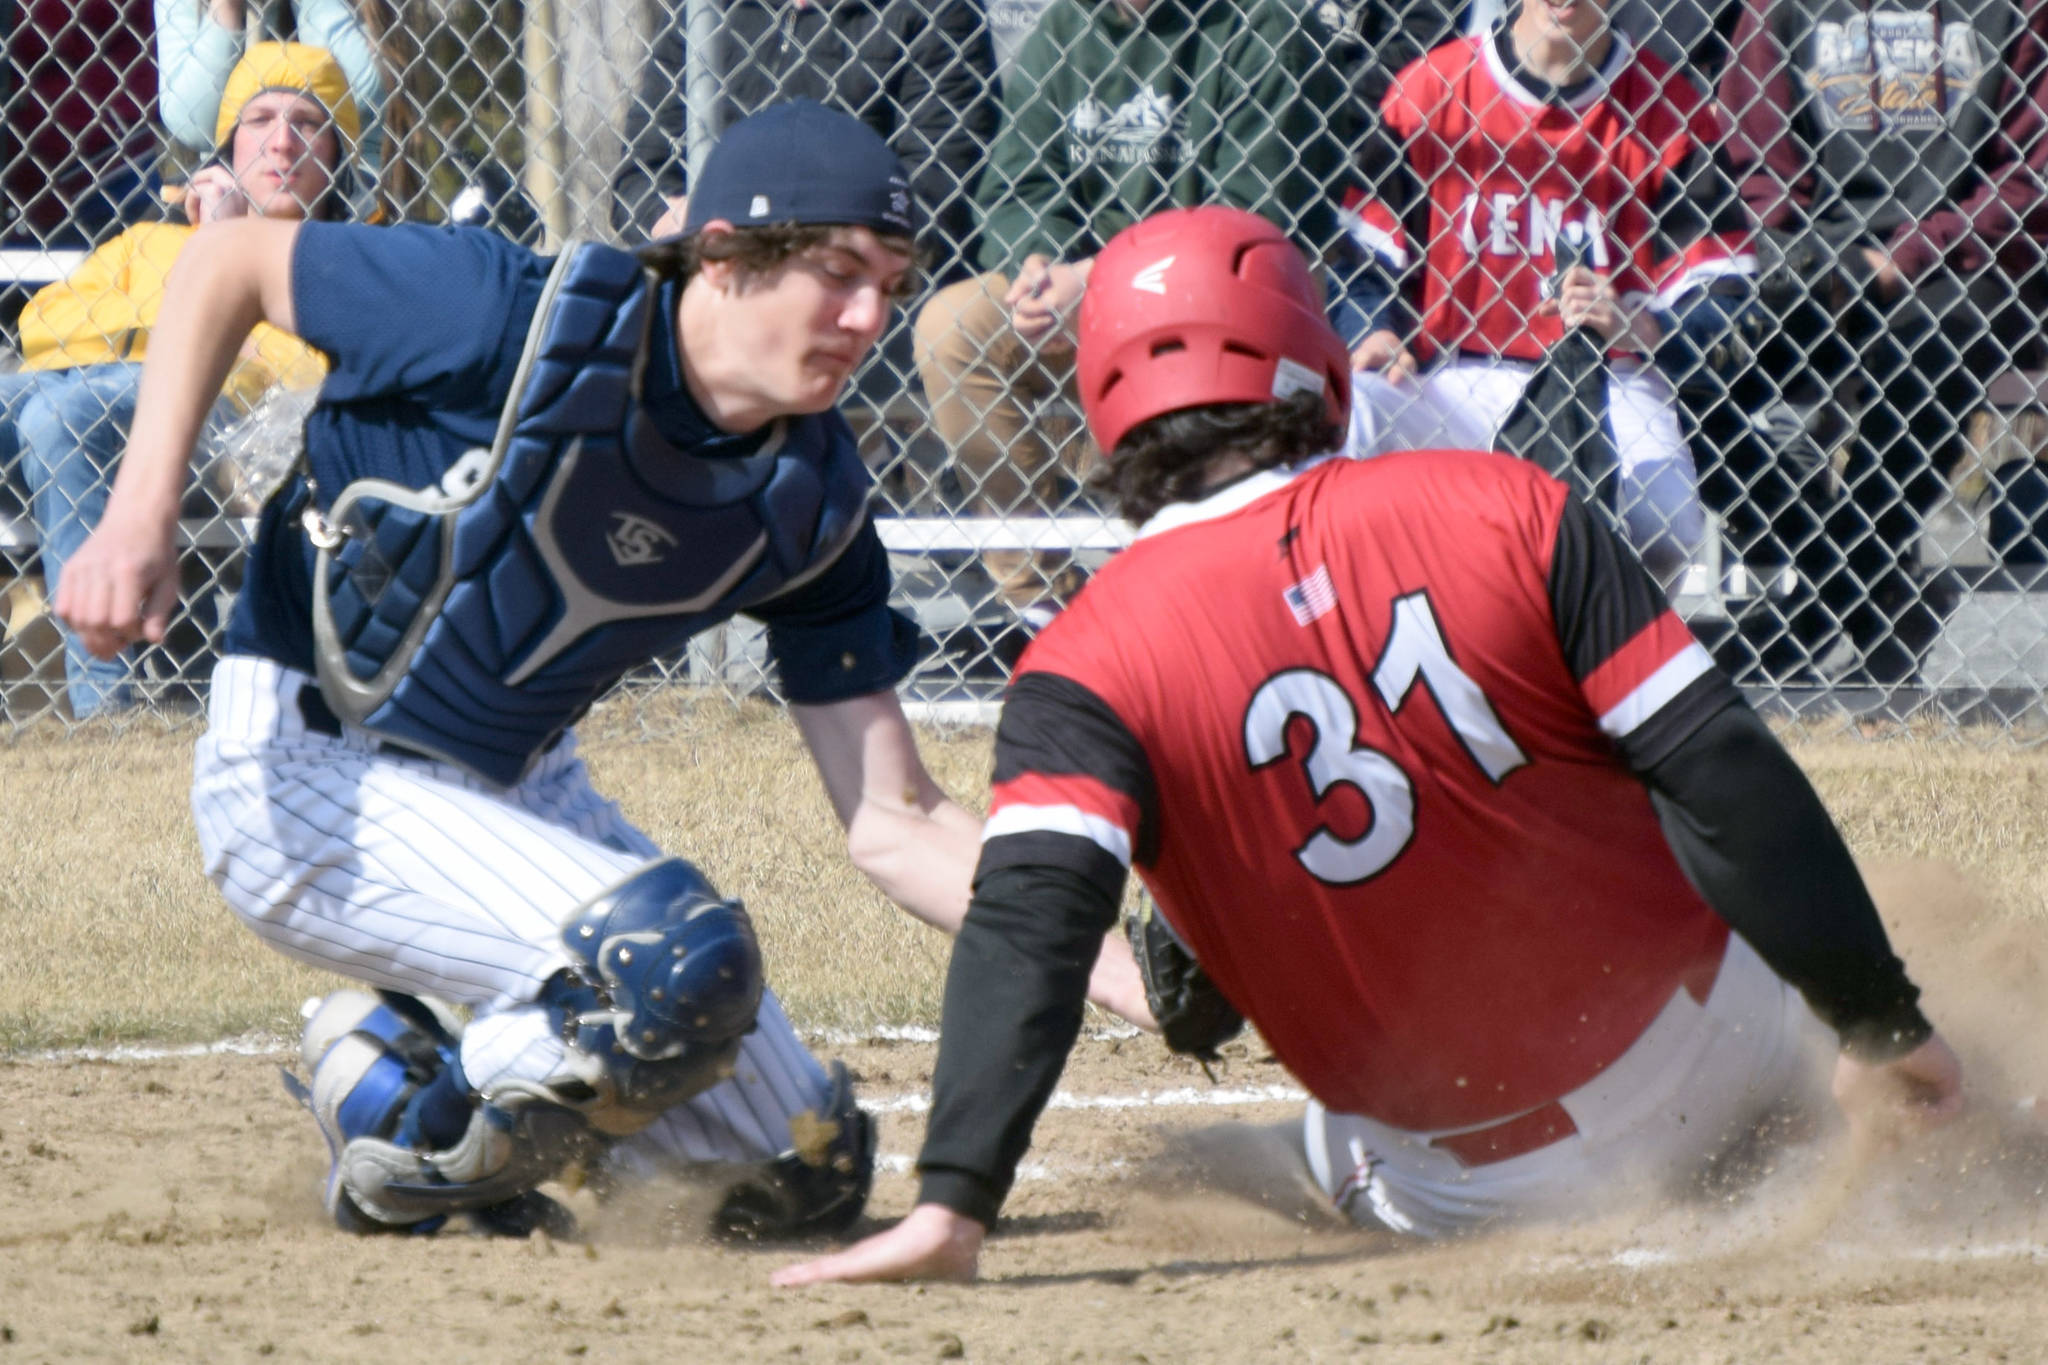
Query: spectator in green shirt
point(1112, 111)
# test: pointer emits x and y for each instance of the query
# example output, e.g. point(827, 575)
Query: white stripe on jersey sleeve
point(1705, 273)
point(1380, 243)
point(1106, 835)
point(1654, 691)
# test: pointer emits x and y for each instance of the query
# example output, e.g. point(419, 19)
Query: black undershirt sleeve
point(1014, 1000)
point(1750, 832)
point(1740, 817)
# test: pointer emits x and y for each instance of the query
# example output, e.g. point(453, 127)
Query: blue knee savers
point(675, 967)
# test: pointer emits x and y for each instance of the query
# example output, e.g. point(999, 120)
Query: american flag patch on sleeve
point(1312, 597)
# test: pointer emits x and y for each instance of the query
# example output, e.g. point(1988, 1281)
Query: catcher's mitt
point(1192, 1014)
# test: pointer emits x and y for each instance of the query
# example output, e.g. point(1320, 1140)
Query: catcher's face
point(804, 326)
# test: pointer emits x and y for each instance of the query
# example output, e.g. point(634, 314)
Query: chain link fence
point(1814, 398)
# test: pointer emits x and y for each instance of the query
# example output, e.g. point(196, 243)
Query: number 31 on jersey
point(1414, 651)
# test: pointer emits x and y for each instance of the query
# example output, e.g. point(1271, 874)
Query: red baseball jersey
point(1487, 173)
point(1368, 733)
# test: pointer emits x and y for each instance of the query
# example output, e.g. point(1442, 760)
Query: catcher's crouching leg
point(666, 980)
point(386, 1075)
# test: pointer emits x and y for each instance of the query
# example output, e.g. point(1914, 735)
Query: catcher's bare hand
point(1118, 985)
point(1888, 1101)
point(933, 1243)
point(122, 585)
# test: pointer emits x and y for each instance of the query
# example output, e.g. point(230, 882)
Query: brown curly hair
point(1167, 459)
point(761, 250)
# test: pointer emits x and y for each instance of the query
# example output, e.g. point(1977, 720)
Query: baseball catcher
point(527, 476)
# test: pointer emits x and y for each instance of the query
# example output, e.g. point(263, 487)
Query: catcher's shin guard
point(491, 1171)
point(390, 1100)
point(819, 1186)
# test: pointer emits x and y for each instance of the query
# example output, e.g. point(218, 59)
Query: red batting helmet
point(1199, 306)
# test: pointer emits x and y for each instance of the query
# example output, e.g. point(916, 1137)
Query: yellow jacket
point(103, 311)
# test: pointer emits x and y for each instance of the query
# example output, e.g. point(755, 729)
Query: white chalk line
point(1652, 1258)
point(918, 1033)
point(267, 1044)
point(1185, 1097)
point(247, 1045)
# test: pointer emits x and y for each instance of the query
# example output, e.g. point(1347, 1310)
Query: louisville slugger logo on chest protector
point(477, 619)
point(636, 540)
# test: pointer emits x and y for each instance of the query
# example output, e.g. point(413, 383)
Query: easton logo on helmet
point(1152, 279)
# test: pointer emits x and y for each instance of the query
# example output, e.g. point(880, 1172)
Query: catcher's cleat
point(391, 1104)
point(523, 1215)
point(819, 1186)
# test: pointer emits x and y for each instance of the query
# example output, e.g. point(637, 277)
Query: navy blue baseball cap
point(800, 162)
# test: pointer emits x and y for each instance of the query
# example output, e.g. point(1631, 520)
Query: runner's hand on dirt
point(933, 1243)
point(1887, 1101)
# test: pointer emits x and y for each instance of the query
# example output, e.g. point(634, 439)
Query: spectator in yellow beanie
point(287, 132)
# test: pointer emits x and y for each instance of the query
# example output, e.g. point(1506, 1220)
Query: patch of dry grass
point(733, 789)
point(108, 931)
point(1978, 808)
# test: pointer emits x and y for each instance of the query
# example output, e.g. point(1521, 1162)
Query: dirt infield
point(165, 1209)
point(164, 1206)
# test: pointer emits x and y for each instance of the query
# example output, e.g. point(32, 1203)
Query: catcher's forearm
point(921, 859)
point(924, 861)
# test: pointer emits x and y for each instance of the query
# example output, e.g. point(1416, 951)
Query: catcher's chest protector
point(477, 620)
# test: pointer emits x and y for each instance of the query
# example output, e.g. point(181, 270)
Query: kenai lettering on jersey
point(1514, 223)
point(1145, 129)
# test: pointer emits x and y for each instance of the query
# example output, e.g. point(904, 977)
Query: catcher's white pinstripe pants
point(410, 874)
